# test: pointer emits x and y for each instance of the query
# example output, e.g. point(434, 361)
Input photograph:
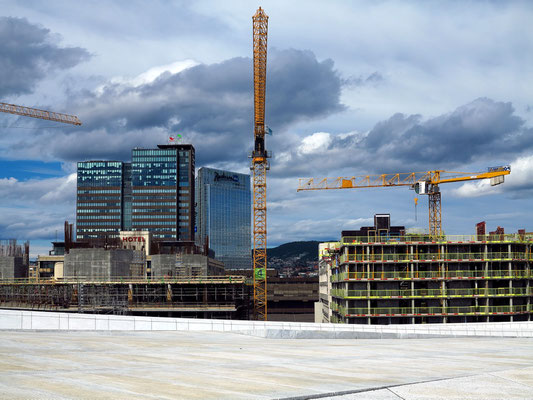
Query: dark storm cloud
point(28, 54)
point(483, 130)
point(212, 105)
point(299, 87)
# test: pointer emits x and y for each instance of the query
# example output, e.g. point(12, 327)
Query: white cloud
point(36, 191)
point(64, 190)
point(314, 143)
point(153, 73)
point(521, 178)
point(150, 75)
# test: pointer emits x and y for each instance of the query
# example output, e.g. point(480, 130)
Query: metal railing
point(425, 238)
point(435, 257)
point(432, 293)
point(403, 311)
point(443, 274)
point(124, 279)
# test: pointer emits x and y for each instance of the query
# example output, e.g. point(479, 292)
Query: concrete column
point(510, 266)
point(509, 256)
point(369, 310)
point(444, 300)
point(412, 302)
point(411, 266)
point(510, 296)
point(528, 298)
point(485, 257)
point(476, 299)
point(169, 293)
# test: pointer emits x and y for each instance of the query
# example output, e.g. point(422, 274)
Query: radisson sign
point(224, 177)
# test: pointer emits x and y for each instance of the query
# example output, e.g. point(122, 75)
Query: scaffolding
point(417, 279)
point(205, 297)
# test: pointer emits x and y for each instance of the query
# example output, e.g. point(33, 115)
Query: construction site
point(375, 275)
point(209, 297)
point(165, 283)
point(102, 275)
point(381, 275)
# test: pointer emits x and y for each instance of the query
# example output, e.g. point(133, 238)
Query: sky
point(353, 88)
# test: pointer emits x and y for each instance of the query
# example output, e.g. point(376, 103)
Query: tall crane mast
point(425, 183)
point(260, 166)
point(41, 114)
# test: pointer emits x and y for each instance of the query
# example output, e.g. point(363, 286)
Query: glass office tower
point(99, 205)
point(163, 191)
point(155, 192)
point(224, 215)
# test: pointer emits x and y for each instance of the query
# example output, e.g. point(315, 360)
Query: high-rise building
point(155, 193)
point(99, 205)
point(163, 191)
point(224, 215)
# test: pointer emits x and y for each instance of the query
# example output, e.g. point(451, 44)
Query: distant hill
point(304, 251)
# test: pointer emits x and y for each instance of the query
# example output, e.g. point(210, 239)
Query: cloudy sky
point(352, 88)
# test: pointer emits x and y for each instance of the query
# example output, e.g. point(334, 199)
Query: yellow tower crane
point(41, 114)
point(424, 183)
point(259, 166)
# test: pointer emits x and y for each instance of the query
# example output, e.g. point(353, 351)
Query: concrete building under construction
point(195, 297)
point(123, 277)
point(14, 259)
point(383, 275)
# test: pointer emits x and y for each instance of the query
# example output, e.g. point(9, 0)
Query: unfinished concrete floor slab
point(219, 365)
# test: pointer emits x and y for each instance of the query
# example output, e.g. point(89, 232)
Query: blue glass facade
point(99, 206)
point(163, 191)
point(155, 193)
point(224, 215)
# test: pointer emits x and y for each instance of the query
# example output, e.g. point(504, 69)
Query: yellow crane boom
point(41, 114)
point(426, 183)
point(259, 166)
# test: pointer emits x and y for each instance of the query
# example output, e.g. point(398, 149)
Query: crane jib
point(424, 183)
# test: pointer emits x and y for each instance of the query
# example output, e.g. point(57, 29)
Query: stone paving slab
point(510, 384)
point(484, 386)
point(219, 365)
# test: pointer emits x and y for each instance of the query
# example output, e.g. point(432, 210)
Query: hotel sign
point(133, 239)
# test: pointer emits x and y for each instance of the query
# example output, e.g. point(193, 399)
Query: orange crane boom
point(426, 183)
point(259, 166)
point(41, 114)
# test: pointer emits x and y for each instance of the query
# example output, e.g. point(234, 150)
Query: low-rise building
point(387, 276)
point(103, 264)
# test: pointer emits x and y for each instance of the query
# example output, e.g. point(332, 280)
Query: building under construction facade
point(14, 259)
point(381, 275)
point(225, 297)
